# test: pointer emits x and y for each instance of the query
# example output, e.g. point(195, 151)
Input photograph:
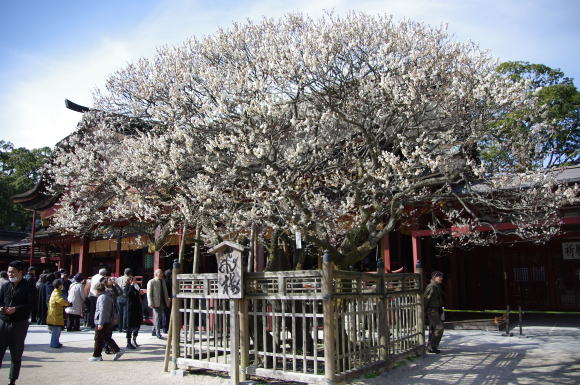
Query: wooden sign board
point(571, 250)
point(230, 269)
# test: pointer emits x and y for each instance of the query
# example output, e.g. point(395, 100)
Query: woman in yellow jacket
point(55, 316)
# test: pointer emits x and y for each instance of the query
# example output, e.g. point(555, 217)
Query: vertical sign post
point(231, 286)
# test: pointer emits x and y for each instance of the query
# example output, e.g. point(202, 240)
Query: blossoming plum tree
point(342, 128)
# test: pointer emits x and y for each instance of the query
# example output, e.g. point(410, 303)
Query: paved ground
point(546, 354)
point(69, 365)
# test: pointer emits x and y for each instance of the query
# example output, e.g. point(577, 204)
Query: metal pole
point(507, 322)
point(520, 319)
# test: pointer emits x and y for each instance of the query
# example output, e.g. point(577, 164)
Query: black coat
point(134, 307)
point(41, 303)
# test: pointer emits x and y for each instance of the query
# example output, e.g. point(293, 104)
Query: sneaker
point(96, 358)
point(434, 350)
point(118, 355)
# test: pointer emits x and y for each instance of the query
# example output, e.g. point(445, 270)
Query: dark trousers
point(435, 327)
point(132, 331)
point(12, 336)
point(158, 315)
point(74, 323)
point(92, 308)
point(122, 303)
point(33, 311)
point(102, 337)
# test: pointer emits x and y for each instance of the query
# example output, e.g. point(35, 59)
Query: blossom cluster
point(333, 127)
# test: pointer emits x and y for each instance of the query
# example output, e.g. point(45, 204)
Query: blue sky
point(52, 50)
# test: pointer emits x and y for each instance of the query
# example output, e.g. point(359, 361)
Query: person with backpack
point(106, 318)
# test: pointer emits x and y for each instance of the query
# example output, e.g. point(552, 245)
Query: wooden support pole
point(329, 326)
point(168, 348)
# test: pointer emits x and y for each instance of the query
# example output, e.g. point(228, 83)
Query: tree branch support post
point(329, 326)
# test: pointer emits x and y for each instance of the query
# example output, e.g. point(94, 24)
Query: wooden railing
point(314, 326)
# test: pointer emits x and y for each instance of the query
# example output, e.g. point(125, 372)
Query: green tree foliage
point(19, 171)
point(555, 117)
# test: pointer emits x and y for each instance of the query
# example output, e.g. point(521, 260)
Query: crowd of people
point(103, 303)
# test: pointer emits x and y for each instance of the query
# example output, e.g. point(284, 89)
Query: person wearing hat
point(76, 296)
point(433, 306)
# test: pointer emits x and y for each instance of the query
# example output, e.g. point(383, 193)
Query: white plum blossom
point(343, 128)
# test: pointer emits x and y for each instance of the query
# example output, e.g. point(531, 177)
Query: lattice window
point(521, 274)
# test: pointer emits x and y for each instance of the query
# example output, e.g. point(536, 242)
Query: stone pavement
point(544, 355)
point(43, 365)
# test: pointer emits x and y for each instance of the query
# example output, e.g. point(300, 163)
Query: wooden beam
point(496, 227)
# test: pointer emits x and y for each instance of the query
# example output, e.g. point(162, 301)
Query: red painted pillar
point(387, 252)
point(156, 257)
point(33, 236)
point(416, 243)
point(84, 259)
point(118, 255)
point(417, 258)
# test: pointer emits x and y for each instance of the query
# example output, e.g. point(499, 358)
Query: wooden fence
point(314, 326)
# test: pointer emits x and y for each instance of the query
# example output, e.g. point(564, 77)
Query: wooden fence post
point(244, 338)
point(235, 341)
point(421, 316)
point(329, 324)
point(383, 320)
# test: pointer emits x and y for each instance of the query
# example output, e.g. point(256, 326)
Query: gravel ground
point(544, 355)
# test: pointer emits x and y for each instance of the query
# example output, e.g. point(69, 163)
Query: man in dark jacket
point(434, 307)
point(31, 278)
point(16, 301)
